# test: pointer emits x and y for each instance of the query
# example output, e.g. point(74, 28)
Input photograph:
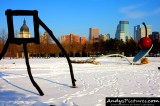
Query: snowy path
point(113, 78)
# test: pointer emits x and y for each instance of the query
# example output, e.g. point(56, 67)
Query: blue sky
point(77, 16)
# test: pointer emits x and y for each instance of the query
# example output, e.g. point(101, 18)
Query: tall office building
point(155, 35)
point(93, 33)
point(123, 32)
point(139, 31)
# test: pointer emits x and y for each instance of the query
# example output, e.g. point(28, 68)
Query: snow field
point(113, 78)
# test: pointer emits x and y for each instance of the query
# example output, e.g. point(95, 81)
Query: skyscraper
point(155, 35)
point(139, 31)
point(93, 33)
point(123, 32)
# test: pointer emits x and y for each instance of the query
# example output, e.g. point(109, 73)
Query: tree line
point(48, 48)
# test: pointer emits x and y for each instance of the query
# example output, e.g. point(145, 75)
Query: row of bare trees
point(48, 48)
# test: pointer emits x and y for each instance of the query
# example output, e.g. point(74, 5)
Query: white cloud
point(133, 12)
point(127, 9)
point(156, 11)
point(137, 14)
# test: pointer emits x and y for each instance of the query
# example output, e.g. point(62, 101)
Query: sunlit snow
point(114, 77)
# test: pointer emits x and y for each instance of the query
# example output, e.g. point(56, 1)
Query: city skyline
point(77, 16)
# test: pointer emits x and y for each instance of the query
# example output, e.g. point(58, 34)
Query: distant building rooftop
point(124, 22)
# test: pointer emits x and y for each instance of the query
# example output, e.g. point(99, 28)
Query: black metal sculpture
point(12, 39)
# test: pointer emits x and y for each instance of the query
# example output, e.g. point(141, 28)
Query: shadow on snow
point(2, 74)
point(5, 74)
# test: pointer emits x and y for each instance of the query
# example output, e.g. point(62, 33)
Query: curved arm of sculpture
point(131, 62)
point(4, 49)
point(63, 50)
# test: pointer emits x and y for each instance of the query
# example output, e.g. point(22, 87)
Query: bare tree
point(76, 47)
point(3, 37)
point(67, 47)
point(89, 48)
point(45, 42)
point(12, 50)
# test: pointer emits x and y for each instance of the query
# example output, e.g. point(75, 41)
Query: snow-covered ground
point(113, 78)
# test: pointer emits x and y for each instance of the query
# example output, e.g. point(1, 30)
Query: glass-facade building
point(123, 32)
